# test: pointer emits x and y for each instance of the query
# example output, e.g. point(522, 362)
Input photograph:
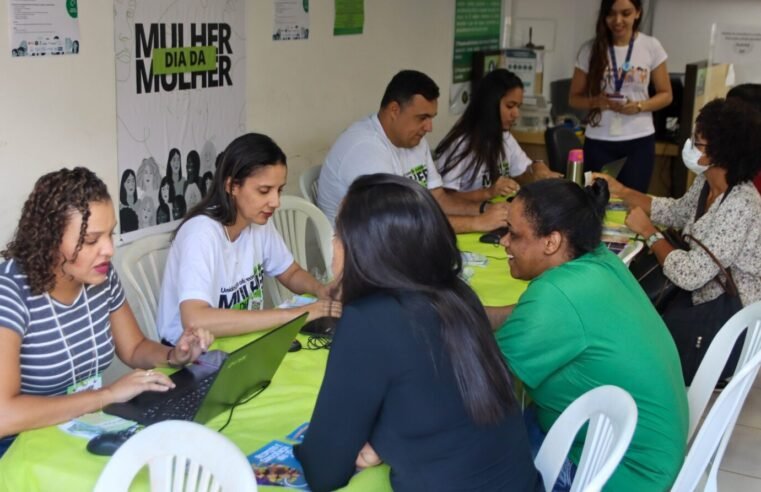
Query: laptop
point(212, 387)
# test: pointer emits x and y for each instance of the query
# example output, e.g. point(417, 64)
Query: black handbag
point(649, 273)
point(694, 327)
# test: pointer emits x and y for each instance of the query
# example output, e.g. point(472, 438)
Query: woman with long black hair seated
point(63, 314)
point(479, 157)
point(414, 376)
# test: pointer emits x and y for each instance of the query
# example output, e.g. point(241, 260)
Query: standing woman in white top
point(63, 314)
point(214, 273)
point(611, 80)
point(479, 157)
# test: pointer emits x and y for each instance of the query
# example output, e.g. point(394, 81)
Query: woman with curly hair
point(63, 313)
point(725, 153)
point(611, 79)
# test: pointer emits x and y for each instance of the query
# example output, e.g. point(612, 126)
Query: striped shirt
point(60, 344)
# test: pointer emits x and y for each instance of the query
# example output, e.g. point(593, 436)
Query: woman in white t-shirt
point(479, 157)
point(214, 273)
point(611, 80)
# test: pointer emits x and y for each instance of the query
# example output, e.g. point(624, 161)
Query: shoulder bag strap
point(729, 286)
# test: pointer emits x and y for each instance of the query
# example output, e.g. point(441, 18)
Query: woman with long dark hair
point(479, 157)
point(128, 202)
point(63, 314)
point(585, 322)
point(414, 376)
point(226, 244)
point(174, 171)
point(611, 79)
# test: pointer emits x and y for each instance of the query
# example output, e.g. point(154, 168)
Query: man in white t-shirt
point(393, 141)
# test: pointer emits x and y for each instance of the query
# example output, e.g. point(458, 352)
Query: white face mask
point(690, 157)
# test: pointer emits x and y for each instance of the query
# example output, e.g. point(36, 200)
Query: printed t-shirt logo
point(504, 170)
point(419, 174)
point(246, 294)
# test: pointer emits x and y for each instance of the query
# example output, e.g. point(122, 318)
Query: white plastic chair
point(612, 416)
point(142, 268)
point(181, 456)
point(711, 441)
point(308, 183)
point(292, 219)
point(716, 357)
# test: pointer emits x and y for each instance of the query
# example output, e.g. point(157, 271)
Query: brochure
point(274, 464)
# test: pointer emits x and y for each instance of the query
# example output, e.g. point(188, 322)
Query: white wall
point(684, 29)
point(60, 111)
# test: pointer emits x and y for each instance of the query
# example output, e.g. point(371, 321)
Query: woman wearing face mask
point(611, 80)
point(479, 157)
point(226, 245)
point(725, 153)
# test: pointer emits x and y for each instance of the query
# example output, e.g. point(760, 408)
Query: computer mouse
point(295, 346)
point(107, 443)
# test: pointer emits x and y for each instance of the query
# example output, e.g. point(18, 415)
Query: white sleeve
point(196, 252)
point(658, 55)
point(453, 179)
point(275, 255)
point(582, 59)
point(434, 178)
point(517, 159)
point(367, 156)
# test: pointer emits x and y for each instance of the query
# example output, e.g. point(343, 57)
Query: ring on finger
point(149, 373)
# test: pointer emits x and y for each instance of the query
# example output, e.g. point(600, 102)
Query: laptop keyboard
point(179, 407)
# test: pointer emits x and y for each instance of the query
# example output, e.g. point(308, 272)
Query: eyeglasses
point(701, 146)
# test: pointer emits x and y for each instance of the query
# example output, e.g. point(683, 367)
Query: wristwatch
point(654, 237)
point(639, 106)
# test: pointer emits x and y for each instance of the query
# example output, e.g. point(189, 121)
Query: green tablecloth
point(49, 459)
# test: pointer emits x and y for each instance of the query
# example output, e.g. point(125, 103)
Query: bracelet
point(482, 208)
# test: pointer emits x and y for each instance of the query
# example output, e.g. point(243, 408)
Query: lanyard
point(619, 81)
point(96, 363)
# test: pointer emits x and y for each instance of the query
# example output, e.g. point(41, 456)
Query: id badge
point(616, 125)
point(89, 384)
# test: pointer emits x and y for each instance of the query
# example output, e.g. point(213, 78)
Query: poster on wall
point(180, 99)
point(349, 17)
point(43, 28)
point(736, 43)
point(477, 26)
point(291, 20)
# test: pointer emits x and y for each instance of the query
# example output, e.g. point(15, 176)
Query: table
point(49, 459)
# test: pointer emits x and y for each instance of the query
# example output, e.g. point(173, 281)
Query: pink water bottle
point(574, 171)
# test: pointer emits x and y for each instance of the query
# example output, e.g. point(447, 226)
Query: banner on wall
point(180, 99)
point(43, 28)
point(477, 25)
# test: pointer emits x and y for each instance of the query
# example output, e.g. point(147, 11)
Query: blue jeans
point(536, 438)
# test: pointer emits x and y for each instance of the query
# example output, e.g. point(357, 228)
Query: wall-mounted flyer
point(291, 20)
point(43, 27)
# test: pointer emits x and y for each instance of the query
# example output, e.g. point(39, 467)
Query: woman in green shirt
point(584, 322)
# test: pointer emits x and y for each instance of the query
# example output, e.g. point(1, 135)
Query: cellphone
point(618, 98)
point(494, 236)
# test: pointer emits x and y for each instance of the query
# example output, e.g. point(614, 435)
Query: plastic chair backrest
point(142, 269)
point(308, 183)
point(612, 416)
point(181, 456)
point(716, 357)
point(711, 441)
point(560, 140)
point(291, 219)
